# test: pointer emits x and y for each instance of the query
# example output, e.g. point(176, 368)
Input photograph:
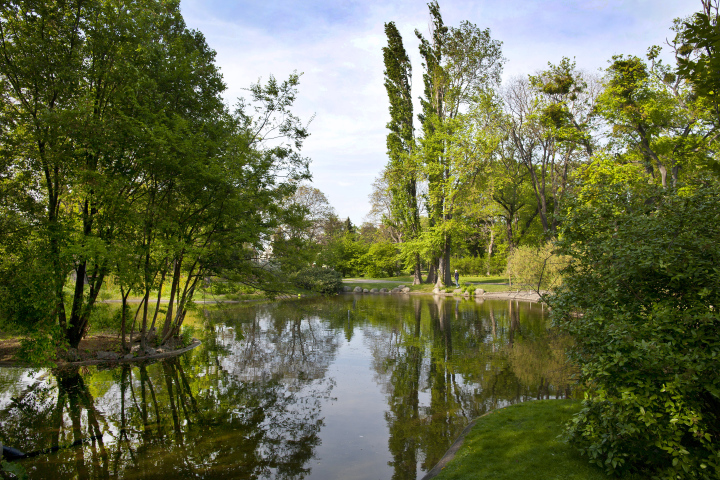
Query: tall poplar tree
point(401, 171)
point(461, 64)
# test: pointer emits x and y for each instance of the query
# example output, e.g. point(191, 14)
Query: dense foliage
point(120, 160)
point(644, 281)
point(317, 279)
point(602, 188)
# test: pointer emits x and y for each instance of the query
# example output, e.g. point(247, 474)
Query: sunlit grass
point(522, 441)
point(489, 284)
point(491, 279)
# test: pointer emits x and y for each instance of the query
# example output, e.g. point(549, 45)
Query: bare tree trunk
point(159, 297)
point(123, 316)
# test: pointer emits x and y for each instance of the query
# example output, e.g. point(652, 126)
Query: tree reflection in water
point(463, 358)
point(248, 403)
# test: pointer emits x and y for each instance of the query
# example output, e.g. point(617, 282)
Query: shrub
point(105, 318)
point(186, 336)
point(536, 268)
point(317, 279)
point(645, 278)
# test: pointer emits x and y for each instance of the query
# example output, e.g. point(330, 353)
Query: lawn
point(489, 284)
point(522, 441)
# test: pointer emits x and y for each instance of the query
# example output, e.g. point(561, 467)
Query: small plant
point(186, 336)
point(13, 468)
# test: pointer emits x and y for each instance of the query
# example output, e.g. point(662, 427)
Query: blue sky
point(337, 46)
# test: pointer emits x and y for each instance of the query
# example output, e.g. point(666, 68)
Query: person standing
point(457, 279)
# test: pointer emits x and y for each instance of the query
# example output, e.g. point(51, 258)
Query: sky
point(337, 47)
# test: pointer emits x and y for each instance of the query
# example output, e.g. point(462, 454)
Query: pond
point(351, 387)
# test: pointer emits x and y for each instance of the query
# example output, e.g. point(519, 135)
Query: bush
point(317, 279)
point(186, 336)
point(645, 278)
point(381, 260)
point(536, 268)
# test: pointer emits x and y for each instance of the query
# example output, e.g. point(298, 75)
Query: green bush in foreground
point(645, 277)
point(317, 279)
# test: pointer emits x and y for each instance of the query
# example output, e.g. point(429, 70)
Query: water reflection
point(292, 390)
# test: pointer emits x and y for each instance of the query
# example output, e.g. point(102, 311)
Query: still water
point(351, 387)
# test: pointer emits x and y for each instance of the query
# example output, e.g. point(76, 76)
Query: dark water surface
point(352, 387)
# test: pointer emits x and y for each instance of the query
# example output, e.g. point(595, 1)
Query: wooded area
point(119, 160)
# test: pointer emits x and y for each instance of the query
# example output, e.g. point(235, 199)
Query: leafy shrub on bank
point(317, 279)
point(645, 278)
point(536, 268)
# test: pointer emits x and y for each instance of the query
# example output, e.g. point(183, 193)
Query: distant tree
point(381, 211)
point(656, 120)
point(697, 51)
point(550, 121)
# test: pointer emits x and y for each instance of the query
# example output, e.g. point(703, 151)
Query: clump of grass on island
point(523, 441)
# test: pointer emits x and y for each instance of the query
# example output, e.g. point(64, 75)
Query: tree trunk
point(444, 274)
point(72, 332)
point(159, 297)
point(173, 294)
point(432, 272)
point(417, 275)
point(489, 252)
point(123, 315)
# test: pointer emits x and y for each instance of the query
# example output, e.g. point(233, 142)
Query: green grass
point(482, 279)
point(521, 441)
point(392, 282)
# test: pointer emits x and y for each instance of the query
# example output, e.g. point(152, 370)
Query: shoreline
point(62, 364)
point(522, 295)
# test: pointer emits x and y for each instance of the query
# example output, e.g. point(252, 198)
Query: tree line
point(614, 176)
point(120, 160)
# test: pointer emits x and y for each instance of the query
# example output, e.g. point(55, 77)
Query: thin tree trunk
point(173, 293)
point(489, 252)
point(159, 297)
point(123, 316)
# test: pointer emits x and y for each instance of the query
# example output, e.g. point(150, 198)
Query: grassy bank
point(489, 284)
point(521, 441)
